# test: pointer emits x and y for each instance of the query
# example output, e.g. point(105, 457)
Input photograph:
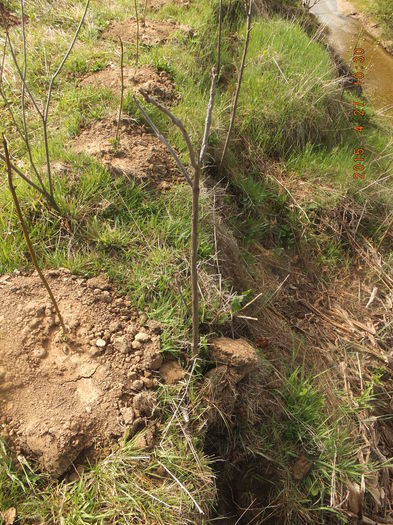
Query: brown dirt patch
point(154, 5)
point(140, 154)
point(154, 33)
point(7, 19)
point(157, 84)
point(60, 399)
point(171, 372)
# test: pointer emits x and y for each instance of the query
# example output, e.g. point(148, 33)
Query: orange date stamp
point(359, 113)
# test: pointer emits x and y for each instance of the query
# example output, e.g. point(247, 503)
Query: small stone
point(144, 403)
point(136, 345)
point(39, 353)
point(121, 344)
point(142, 337)
point(137, 385)
point(106, 297)
point(115, 326)
point(100, 343)
point(128, 415)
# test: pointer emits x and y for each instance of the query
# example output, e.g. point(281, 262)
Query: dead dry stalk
point(239, 81)
point(137, 31)
point(144, 14)
point(26, 235)
point(197, 161)
point(122, 91)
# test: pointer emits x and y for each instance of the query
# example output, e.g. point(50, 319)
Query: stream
point(346, 33)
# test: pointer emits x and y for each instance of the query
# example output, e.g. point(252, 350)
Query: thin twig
point(219, 40)
point(137, 31)
point(23, 101)
point(48, 100)
point(209, 115)
point(122, 90)
point(177, 123)
point(179, 164)
point(26, 235)
point(239, 82)
point(26, 179)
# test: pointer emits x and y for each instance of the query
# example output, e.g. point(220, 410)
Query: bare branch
point(209, 115)
point(26, 133)
point(25, 178)
point(239, 82)
point(219, 40)
point(40, 113)
point(122, 89)
point(137, 31)
point(179, 164)
point(58, 70)
point(50, 89)
point(177, 123)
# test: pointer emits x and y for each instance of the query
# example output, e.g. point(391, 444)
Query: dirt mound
point(153, 33)
point(7, 19)
point(60, 397)
point(157, 84)
point(140, 154)
point(154, 5)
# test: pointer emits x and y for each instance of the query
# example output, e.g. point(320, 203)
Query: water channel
point(346, 33)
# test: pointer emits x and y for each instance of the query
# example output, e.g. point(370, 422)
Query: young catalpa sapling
point(196, 161)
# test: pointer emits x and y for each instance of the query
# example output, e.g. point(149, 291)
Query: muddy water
point(346, 33)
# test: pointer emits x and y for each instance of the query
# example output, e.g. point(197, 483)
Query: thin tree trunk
point(122, 91)
point(194, 260)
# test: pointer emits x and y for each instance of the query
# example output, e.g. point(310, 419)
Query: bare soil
point(63, 397)
point(158, 4)
point(157, 84)
point(139, 155)
point(153, 33)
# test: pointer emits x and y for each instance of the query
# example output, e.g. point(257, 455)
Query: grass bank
point(313, 241)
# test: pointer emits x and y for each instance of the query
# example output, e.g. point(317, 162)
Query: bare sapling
point(42, 108)
point(121, 92)
point(197, 163)
point(239, 81)
point(137, 30)
point(26, 235)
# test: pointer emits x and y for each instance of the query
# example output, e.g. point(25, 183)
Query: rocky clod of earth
point(61, 397)
point(238, 355)
point(235, 359)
